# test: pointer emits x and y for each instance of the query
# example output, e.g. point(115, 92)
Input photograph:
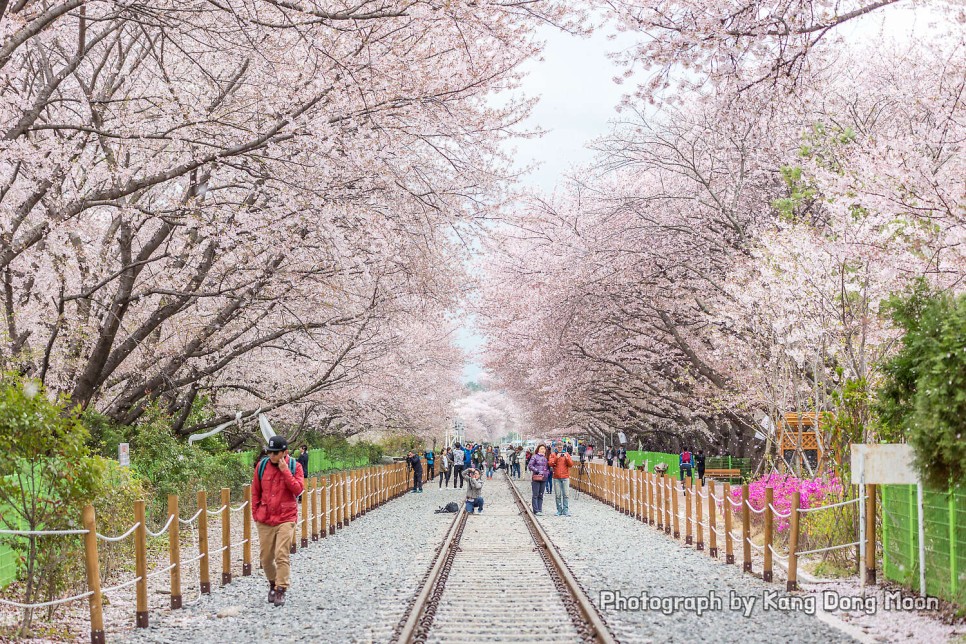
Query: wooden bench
point(734, 473)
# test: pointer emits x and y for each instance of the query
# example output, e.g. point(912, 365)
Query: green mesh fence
point(945, 529)
point(672, 460)
point(8, 565)
point(319, 461)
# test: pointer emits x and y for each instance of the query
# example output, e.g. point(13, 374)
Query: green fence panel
point(319, 461)
point(673, 467)
point(8, 565)
point(945, 540)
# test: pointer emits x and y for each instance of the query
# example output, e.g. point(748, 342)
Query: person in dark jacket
point(275, 512)
point(303, 460)
point(699, 463)
point(417, 464)
point(459, 464)
point(430, 464)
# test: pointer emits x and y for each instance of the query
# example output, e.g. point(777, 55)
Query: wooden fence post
point(870, 510)
point(350, 497)
point(337, 499)
point(650, 498)
point(766, 572)
point(699, 511)
point(93, 570)
point(668, 486)
point(203, 563)
point(225, 536)
point(728, 512)
point(327, 527)
point(174, 551)
point(672, 490)
point(628, 493)
point(659, 488)
point(314, 487)
point(792, 583)
point(712, 521)
point(688, 539)
point(305, 516)
point(745, 530)
point(247, 532)
point(343, 499)
point(141, 565)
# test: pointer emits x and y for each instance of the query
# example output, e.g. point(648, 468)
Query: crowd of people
point(278, 484)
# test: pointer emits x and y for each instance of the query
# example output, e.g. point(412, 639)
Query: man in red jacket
point(560, 463)
point(278, 481)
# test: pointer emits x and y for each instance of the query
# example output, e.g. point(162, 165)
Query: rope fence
point(654, 499)
point(336, 500)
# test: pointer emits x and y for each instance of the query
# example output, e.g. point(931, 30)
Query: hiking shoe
point(271, 594)
point(279, 597)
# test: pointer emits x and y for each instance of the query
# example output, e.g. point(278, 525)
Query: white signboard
point(124, 454)
point(883, 464)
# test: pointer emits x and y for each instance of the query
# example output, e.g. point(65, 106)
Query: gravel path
point(350, 587)
point(608, 551)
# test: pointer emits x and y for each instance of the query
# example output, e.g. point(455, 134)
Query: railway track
point(498, 578)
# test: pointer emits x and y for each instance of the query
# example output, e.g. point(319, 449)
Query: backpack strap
point(262, 464)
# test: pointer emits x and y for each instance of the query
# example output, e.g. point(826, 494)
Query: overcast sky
point(574, 82)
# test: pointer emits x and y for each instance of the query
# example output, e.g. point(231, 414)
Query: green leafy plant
point(923, 396)
point(46, 476)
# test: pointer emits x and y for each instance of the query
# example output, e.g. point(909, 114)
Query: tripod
point(581, 475)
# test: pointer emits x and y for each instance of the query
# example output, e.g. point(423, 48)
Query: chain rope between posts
point(776, 555)
point(780, 514)
point(844, 545)
point(162, 530)
point(42, 533)
point(121, 586)
point(53, 602)
point(834, 505)
point(755, 546)
point(752, 508)
point(120, 537)
point(192, 519)
point(161, 571)
point(240, 507)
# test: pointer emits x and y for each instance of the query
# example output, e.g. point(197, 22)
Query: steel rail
point(599, 630)
point(417, 610)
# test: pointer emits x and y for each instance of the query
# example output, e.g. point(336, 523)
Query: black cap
point(277, 444)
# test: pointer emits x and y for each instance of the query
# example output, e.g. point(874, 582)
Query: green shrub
point(47, 475)
point(171, 466)
point(923, 397)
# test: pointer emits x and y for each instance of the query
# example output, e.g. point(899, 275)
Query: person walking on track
point(490, 459)
point(446, 466)
point(560, 464)
point(278, 481)
point(416, 463)
point(540, 470)
point(458, 460)
point(515, 462)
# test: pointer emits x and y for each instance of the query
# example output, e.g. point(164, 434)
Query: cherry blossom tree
point(257, 202)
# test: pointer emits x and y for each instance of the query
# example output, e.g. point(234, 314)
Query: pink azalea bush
point(811, 493)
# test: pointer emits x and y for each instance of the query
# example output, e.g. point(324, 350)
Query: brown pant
point(274, 542)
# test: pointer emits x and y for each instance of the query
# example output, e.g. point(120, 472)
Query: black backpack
point(450, 508)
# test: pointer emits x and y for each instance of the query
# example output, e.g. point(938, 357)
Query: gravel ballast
point(353, 586)
point(608, 551)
